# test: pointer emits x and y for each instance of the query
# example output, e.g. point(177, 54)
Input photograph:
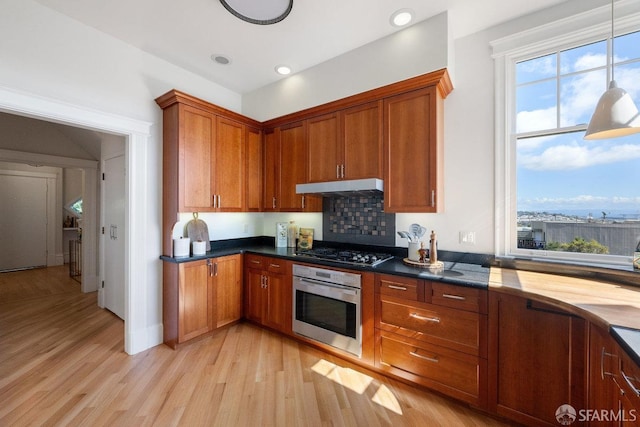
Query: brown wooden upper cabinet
point(254, 170)
point(206, 157)
point(413, 151)
point(346, 144)
point(210, 162)
point(285, 166)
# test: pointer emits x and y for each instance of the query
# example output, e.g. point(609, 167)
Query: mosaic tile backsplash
point(358, 219)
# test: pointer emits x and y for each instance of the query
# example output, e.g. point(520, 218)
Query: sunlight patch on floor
point(357, 382)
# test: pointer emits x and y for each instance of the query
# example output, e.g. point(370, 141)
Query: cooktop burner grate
point(346, 256)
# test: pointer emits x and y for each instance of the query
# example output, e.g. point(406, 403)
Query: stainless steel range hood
point(342, 188)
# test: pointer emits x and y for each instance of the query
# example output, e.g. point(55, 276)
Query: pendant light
point(261, 12)
point(615, 115)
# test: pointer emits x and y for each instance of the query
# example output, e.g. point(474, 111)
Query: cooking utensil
point(405, 235)
point(422, 231)
point(414, 229)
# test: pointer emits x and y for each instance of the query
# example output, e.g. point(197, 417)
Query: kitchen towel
point(181, 247)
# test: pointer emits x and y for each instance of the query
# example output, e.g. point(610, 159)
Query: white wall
point(404, 54)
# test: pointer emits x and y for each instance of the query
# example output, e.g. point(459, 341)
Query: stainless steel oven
point(326, 307)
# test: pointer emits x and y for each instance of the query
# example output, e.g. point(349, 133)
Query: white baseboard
point(143, 339)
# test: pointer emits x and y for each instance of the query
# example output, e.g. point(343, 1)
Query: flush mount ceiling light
point(220, 59)
point(616, 114)
point(283, 70)
point(401, 17)
point(261, 12)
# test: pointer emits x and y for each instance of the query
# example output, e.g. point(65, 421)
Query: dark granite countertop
point(459, 269)
point(629, 339)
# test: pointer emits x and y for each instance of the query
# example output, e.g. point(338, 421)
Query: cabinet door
point(195, 152)
point(254, 170)
point(603, 363)
point(195, 300)
point(293, 169)
point(254, 289)
point(537, 360)
point(361, 129)
point(228, 286)
point(411, 175)
point(324, 158)
point(271, 170)
point(278, 302)
point(229, 166)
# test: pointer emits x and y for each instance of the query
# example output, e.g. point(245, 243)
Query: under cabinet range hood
point(342, 188)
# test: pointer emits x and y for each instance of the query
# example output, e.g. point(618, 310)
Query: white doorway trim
point(137, 335)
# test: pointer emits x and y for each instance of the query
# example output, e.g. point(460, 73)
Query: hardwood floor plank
point(62, 364)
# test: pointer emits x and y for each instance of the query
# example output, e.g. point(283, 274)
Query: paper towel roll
point(181, 247)
point(199, 247)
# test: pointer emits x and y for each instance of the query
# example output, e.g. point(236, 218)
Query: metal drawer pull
point(400, 288)
point(456, 297)
point(275, 265)
point(630, 383)
point(427, 358)
point(602, 355)
point(253, 261)
point(428, 319)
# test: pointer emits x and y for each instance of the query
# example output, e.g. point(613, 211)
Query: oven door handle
point(343, 289)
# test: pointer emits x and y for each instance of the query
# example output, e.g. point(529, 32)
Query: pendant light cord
point(612, 41)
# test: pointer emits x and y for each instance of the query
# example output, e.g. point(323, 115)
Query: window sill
point(618, 274)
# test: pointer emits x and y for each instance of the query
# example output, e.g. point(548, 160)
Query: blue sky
point(565, 172)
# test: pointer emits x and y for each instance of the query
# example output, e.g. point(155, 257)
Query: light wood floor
point(62, 363)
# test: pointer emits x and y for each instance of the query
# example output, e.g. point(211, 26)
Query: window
point(568, 198)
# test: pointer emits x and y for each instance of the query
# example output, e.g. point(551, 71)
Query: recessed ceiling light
point(283, 70)
point(220, 59)
point(401, 17)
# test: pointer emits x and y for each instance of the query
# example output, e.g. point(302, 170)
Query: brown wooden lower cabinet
point(268, 299)
point(614, 383)
point(200, 296)
point(537, 360)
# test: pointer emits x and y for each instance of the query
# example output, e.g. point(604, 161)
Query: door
point(23, 222)
point(114, 234)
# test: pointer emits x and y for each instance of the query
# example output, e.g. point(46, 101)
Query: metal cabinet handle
point(426, 319)
point(427, 358)
point(455, 297)
point(303, 200)
point(337, 171)
point(400, 288)
point(219, 201)
point(630, 383)
point(433, 198)
point(255, 261)
point(273, 204)
point(274, 265)
point(213, 200)
point(602, 371)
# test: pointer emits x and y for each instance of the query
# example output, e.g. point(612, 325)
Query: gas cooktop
point(346, 256)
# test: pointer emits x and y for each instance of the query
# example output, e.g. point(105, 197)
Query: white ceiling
point(187, 32)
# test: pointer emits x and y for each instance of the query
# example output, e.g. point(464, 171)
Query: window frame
point(580, 29)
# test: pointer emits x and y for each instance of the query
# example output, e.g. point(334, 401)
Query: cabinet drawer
point(460, 297)
point(254, 261)
point(276, 265)
point(452, 369)
point(400, 287)
point(456, 329)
